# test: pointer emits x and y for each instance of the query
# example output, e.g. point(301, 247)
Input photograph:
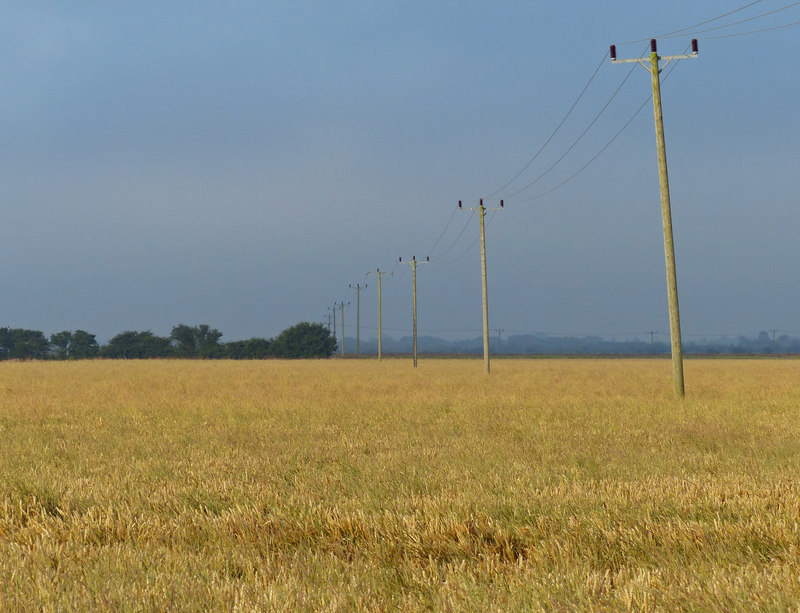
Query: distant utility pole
point(413, 263)
point(341, 307)
point(358, 287)
point(666, 212)
point(652, 334)
point(380, 326)
point(481, 214)
point(499, 332)
point(332, 311)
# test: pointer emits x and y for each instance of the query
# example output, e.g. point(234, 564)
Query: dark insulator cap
point(613, 51)
point(653, 45)
point(459, 204)
point(694, 45)
point(501, 204)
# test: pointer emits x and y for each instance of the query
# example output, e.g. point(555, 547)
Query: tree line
point(303, 340)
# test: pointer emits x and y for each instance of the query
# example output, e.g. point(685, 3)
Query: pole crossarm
point(646, 61)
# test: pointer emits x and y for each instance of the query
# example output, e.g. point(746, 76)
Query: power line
point(696, 25)
point(472, 244)
point(550, 138)
point(580, 137)
point(713, 19)
point(460, 234)
point(584, 132)
point(736, 23)
point(447, 225)
point(780, 27)
point(604, 147)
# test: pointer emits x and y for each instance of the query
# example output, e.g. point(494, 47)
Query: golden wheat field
point(552, 485)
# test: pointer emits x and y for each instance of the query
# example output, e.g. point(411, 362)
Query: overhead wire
point(447, 225)
point(604, 147)
point(473, 243)
point(749, 19)
point(696, 25)
point(592, 123)
point(577, 140)
point(552, 135)
point(560, 125)
point(779, 27)
point(460, 234)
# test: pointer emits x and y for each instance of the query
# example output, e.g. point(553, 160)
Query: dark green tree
point(60, 342)
point(304, 340)
point(76, 345)
point(252, 349)
point(83, 345)
point(21, 344)
point(196, 341)
point(137, 345)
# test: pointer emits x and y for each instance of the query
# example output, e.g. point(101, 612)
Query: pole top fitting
point(613, 52)
point(653, 48)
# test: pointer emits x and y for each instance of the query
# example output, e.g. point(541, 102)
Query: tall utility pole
point(341, 307)
point(666, 212)
point(358, 287)
point(380, 325)
point(413, 263)
point(481, 214)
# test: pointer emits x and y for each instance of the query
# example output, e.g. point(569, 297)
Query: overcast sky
point(242, 163)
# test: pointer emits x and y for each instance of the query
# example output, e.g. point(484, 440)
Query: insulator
point(694, 46)
point(613, 51)
point(653, 45)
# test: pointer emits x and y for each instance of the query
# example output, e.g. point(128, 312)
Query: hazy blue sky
point(241, 163)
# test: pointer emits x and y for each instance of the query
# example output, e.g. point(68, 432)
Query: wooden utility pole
point(341, 307)
point(380, 326)
point(482, 214)
point(358, 287)
point(666, 212)
point(333, 310)
point(413, 263)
